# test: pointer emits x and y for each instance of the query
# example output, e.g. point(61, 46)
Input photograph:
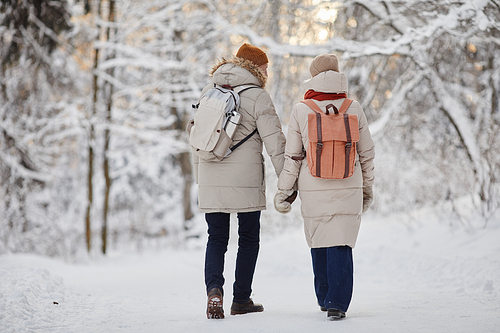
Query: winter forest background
point(95, 96)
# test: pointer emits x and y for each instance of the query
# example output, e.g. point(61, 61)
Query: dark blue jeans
point(246, 259)
point(333, 276)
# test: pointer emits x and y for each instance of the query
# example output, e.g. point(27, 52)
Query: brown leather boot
point(214, 304)
point(250, 306)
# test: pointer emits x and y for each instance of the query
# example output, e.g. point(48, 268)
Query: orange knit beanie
point(252, 53)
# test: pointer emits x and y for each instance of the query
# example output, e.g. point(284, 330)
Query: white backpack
point(215, 123)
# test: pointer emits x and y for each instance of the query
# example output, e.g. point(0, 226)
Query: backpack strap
point(348, 144)
point(243, 140)
point(231, 149)
point(319, 144)
point(345, 105)
point(343, 108)
point(245, 89)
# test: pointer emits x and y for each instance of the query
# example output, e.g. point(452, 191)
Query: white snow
point(419, 276)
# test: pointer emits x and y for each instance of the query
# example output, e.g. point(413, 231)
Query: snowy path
point(430, 280)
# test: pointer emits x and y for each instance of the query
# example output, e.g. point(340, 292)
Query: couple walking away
point(331, 208)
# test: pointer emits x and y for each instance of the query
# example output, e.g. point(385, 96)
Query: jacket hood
point(237, 71)
point(327, 82)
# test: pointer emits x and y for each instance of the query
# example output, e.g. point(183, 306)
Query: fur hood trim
point(244, 63)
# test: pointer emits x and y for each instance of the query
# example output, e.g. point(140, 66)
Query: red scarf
point(320, 96)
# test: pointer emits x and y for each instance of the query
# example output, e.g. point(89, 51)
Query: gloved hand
point(280, 202)
point(367, 197)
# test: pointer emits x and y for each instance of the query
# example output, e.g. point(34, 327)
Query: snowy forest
point(95, 96)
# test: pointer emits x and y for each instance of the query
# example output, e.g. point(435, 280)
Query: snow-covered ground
point(423, 276)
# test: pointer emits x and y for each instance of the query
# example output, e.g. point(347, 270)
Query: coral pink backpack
point(332, 141)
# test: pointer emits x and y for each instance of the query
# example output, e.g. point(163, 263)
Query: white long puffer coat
point(237, 183)
point(331, 208)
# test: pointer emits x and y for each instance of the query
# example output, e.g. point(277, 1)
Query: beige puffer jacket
point(237, 184)
point(331, 208)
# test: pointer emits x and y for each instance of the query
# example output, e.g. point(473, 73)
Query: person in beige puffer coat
point(331, 208)
point(237, 183)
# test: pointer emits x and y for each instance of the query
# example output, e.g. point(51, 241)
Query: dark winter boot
point(214, 304)
point(250, 306)
point(322, 308)
point(334, 314)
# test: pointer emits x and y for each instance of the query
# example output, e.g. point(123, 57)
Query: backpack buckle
point(319, 145)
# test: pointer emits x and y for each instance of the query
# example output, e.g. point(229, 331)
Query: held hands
point(367, 197)
point(283, 200)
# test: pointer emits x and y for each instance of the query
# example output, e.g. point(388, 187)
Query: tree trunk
point(184, 160)
point(88, 231)
point(187, 174)
point(3, 84)
point(104, 231)
point(90, 176)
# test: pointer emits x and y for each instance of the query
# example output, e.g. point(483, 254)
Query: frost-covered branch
point(396, 104)
point(385, 12)
point(20, 171)
point(458, 116)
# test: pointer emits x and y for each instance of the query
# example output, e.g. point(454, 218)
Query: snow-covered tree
point(37, 125)
point(428, 77)
point(426, 73)
point(161, 54)
point(95, 96)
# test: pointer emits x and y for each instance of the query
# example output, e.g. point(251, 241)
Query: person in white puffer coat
point(331, 208)
point(237, 183)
